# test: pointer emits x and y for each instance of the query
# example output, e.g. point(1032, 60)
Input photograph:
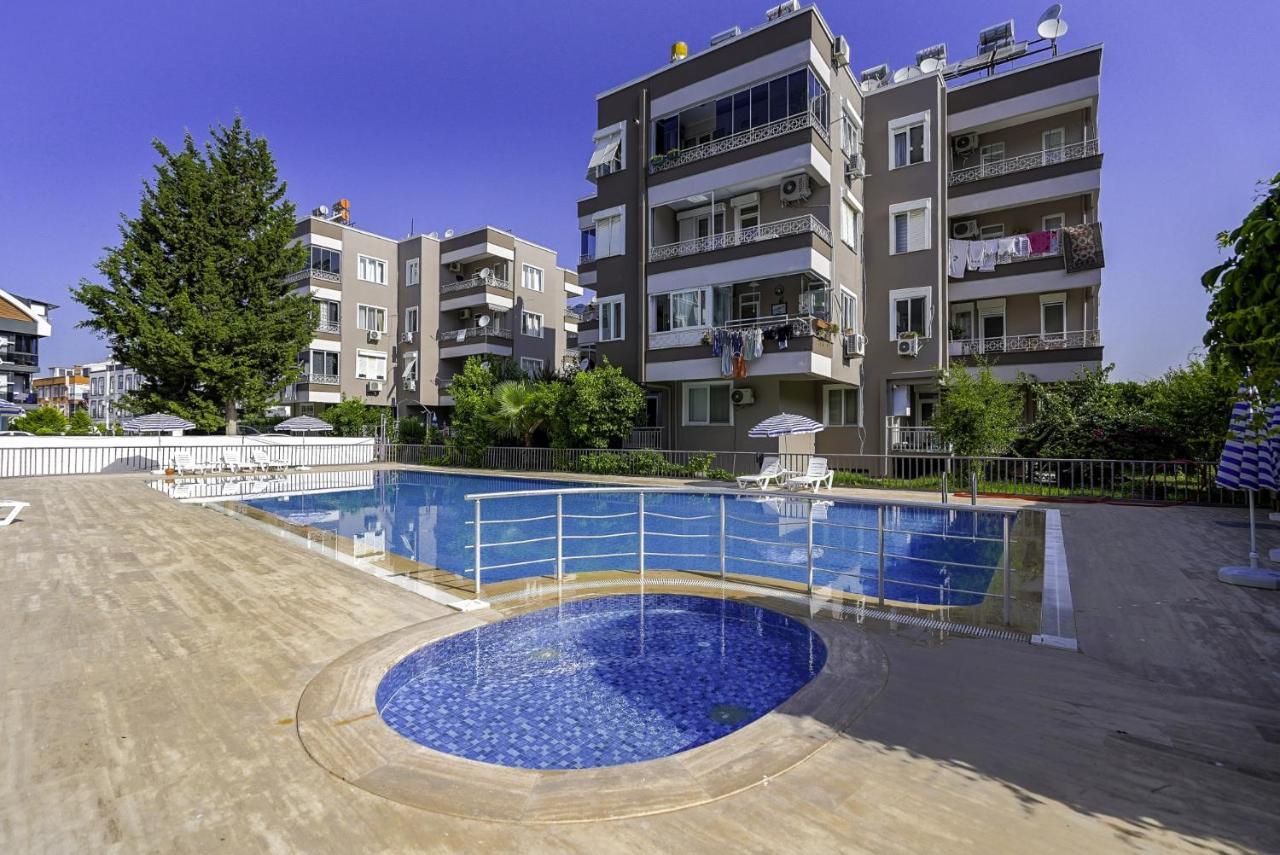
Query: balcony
point(804, 224)
point(586, 258)
point(321, 379)
point(487, 282)
point(572, 317)
point(733, 142)
point(313, 273)
point(1024, 162)
point(474, 340)
point(807, 348)
point(331, 327)
point(1028, 343)
point(914, 440)
point(19, 357)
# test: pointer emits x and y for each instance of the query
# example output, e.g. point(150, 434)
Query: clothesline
point(1080, 247)
point(738, 346)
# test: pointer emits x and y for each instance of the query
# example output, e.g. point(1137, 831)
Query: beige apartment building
point(396, 318)
point(771, 232)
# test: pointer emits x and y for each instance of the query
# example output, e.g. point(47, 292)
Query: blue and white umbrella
point(785, 424)
point(1238, 469)
point(155, 423)
point(8, 408)
point(1269, 446)
point(303, 424)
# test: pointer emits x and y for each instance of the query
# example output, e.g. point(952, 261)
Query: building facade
point(66, 389)
point(770, 233)
point(397, 318)
point(108, 383)
point(23, 323)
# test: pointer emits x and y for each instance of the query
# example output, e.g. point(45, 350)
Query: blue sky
point(450, 115)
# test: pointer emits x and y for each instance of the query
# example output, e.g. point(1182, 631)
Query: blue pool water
point(424, 517)
point(600, 682)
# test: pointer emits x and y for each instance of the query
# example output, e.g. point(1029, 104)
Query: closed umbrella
point(784, 425)
point(1238, 469)
point(303, 424)
point(9, 410)
point(156, 423)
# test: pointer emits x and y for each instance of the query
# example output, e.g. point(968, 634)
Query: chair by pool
point(266, 462)
point(770, 471)
point(816, 476)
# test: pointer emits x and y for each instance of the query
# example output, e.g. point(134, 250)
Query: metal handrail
point(475, 282)
point(451, 336)
point(313, 273)
point(797, 121)
point(802, 224)
point(1023, 162)
point(329, 326)
point(1029, 342)
point(326, 379)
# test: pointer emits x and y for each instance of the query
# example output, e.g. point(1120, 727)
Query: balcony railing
point(313, 273)
point(918, 439)
point(18, 357)
point(322, 379)
point(733, 142)
point(800, 326)
point(1027, 343)
point(476, 282)
point(467, 333)
point(742, 237)
point(586, 258)
point(1023, 162)
point(329, 326)
point(572, 317)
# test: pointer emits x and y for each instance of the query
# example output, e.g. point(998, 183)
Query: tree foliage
point(603, 407)
point(195, 296)
point(352, 417)
point(41, 420)
point(80, 424)
point(1244, 306)
point(977, 414)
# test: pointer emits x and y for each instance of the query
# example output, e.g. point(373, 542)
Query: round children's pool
point(600, 682)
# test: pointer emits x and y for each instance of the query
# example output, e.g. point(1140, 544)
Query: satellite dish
point(448, 233)
point(930, 65)
point(906, 73)
point(584, 364)
point(483, 321)
point(486, 272)
point(1051, 25)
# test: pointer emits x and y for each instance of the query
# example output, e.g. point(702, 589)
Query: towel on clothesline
point(957, 258)
point(990, 249)
point(975, 254)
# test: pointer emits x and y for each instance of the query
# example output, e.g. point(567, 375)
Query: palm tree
point(516, 416)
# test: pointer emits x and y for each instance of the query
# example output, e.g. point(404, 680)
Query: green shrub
point(412, 431)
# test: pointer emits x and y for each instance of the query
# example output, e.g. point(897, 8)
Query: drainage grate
point(860, 612)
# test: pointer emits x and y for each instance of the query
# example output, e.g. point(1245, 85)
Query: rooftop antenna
point(1051, 26)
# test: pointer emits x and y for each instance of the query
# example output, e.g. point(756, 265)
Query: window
point(588, 249)
point(849, 224)
point(411, 319)
point(1053, 316)
point(991, 231)
point(328, 316)
point(910, 310)
point(323, 363)
point(371, 269)
point(991, 323)
point(848, 315)
point(993, 153)
point(1052, 142)
point(531, 324)
point(530, 366)
point(608, 156)
point(680, 310)
point(840, 406)
point(613, 316)
point(609, 230)
point(1053, 222)
point(708, 404)
point(371, 365)
point(815, 300)
point(909, 140)
point(749, 305)
point(849, 138)
point(531, 277)
point(962, 322)
point(746, 211)
point(411, 366)
point(910, 230)
point(413, 272)
point(325, 259)
point(371, 318)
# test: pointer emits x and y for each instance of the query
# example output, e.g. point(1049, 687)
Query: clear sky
point(453, 114)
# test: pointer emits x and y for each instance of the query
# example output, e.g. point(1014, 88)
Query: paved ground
point(153, 655)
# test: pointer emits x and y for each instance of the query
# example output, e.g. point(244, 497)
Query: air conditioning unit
point(840, 52)
point(964, 229)
point(410, 385)
point(406, 337)
point(909, 346)
point(725, 35)
point(375, 336)
point(464, 314)
point(853, 165)
point(964, 143)
point(855, 344)
point(373, 387)
point(743, 397)
point(455, 267)
point(795, 188)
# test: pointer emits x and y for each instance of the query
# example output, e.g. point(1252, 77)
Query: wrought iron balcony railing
point(476, 282)
point(322, 379)
point(466, 333)
point(733, 142)
point(1027, 343)
point(313, 273)
point(742, 237)
point(1024, 162)
point(329, 326)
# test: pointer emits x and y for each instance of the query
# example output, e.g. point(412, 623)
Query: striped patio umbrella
point(303, 424)
point(1238, 470)
point(1269, 446)
point(785, 424)
point(155, 423)
point(8, 408)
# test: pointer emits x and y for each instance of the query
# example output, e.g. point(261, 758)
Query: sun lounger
point(816, 476)
point(233, 462)
point(184, 463)
point(770, 471)
point(11, 508)
point(265, 461)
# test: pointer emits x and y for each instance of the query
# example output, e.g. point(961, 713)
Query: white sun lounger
point(233, 462)
point(770, 471)
point(13, 508)
point(816, 476)
point(183, 463)
point(265, 461)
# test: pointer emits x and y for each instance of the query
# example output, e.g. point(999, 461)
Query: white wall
point(79, 455)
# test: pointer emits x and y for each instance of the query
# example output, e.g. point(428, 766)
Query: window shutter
point(900, 233)
point(918, 229)
point(615, 238)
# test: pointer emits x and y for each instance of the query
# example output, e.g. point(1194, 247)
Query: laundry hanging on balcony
point(736, 348)
point(1082, 247)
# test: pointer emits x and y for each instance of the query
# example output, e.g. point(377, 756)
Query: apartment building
point(66, 389)
point(770, 232)
point(109, 382)
point(397, 318)
point(23, 322)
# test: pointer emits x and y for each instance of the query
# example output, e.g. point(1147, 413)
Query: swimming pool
point(600, 682)
point(933, 556)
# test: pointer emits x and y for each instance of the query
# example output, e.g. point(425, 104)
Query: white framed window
point(962, 321)
point(677, 310)
point(909, 229)
point(749, 305)
point(841, 406)
point(1052, 222)
point(531, 324)
point(613, 318)
point(588, 245)
point(371, 365)
point(991, 321)
point(411, 365)
point(1052, 143)
point(850, 223)
point(370, 269)
point(850, 134)
point(411, 319)
point(531, 277)
point(413, 272)
point(610, 232)
point(1053, 316)
point(610, 151)
point(991, 231)
point(909, 140)
point(371, 318)
point(991, 153)
point(911, 310)
point(531, 367)
point(708, 403)
point(746, 211)
point(848, 317)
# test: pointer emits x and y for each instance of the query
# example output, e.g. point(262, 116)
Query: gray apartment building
point(771, 232)
point(396, 318)
point(23, 322)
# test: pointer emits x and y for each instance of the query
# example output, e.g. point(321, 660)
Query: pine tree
point(195, 296)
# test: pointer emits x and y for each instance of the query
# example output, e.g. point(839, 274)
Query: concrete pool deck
point(155, 653)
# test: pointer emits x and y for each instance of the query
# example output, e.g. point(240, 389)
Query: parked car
point(16, 433)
